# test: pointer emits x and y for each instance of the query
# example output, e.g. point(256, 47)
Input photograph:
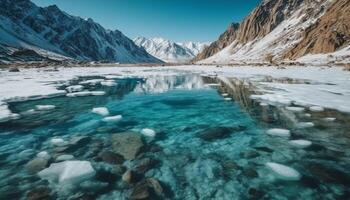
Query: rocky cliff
point(284, 30)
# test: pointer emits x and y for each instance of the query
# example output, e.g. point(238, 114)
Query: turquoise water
point(227, 164)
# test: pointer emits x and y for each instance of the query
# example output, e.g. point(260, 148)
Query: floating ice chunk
point(45, 107)
point(111, 76)
point(305, 124)
point(58, 142)
point(79, 94)
point(148, 132)
point(64, 157)
point(101, 111)
point(278, 132)
point(316, 109)
point(307, 115)
point(300, 143)
point(284, 172)
point(112, 118)
point(329, 119)
point(68, 172)
point(224, 94)
point(43, 155)
point(295, 109)
point(108, 83)
point(263, 104)
point(75, 88)
point(227, 99)
point(98, 93)
point(213, 84)
point(92, 82)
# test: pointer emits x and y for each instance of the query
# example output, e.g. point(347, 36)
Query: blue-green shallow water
point(179, 109)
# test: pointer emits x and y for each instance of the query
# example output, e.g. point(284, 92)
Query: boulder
point(36, 165)
point(111, 158)
point(127, 144)
point(219, 132)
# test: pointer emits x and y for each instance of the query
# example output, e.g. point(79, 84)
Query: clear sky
point(178, 20)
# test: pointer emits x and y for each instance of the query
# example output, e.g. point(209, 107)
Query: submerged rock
point(14, 69)
point(284, 172)
point(219, 132)
point(144, 165)
point(111, 158)
point(278, 132)
point(36, 165)
point(101, 111)
point(70, 172)
point(128, 177)
point(127, 144)
point(39, 193)
point(328, 174)
point(146, 189)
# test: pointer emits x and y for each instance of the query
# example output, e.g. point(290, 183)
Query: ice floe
point(58, 142)
point(300, 143)
point(295, 109)
point(227, 99)
point(45, 107)
point(74, 88)
point(329, 119)
point(305, 125)
point(101, 111)
point(68, 172)
point(316, 109)
point(148, 132)
point(98, 93)
point(109, 83)
point(284, 172)
point(278, 132)
point(224, 94)
point(79, 94)
point(44, 155)
point(92, 82)
point(64, 157)
point(112, 118)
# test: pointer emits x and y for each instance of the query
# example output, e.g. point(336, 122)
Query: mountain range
point(29, 32)
point(169, 51)
point(286, 30)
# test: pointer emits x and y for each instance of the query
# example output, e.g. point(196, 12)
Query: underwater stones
point(64, 157)
point(127, 177)
point(127, 144)
point(305, 125)
point(70, 172)
point(39, 193)
point(45, 107)
point(101, 111)
point(300, 143)
point(148, 132)
point(112, 118)
point(283, 172)
point(14, 69)
point(111, 158)
point(250, 154)
point(295, 109)
point(145, 189)
point(328, 174)
point(255, 193)
point(265, 149)
point(316, 109)
point(79, 141)
point(251, 173)
point(219, 132)
point(36, 165)
point(278, 132)
point(145, 164)
point(74, 88)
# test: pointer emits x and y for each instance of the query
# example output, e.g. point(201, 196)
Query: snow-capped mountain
point(284, 30)
point(52, 33)
point(169, 51)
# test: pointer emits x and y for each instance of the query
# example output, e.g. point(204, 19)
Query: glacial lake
point(177, 137)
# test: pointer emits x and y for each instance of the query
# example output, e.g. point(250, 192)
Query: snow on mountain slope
point(276, 27)
point(169, 51)
point(25, 25)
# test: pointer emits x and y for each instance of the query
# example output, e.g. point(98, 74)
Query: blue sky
point(178, 20)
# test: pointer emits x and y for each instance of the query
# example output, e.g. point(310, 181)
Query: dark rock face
point(330, 33)
point(39, 193)
point(56, 31)
point(224, 40)
point(111, 158)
